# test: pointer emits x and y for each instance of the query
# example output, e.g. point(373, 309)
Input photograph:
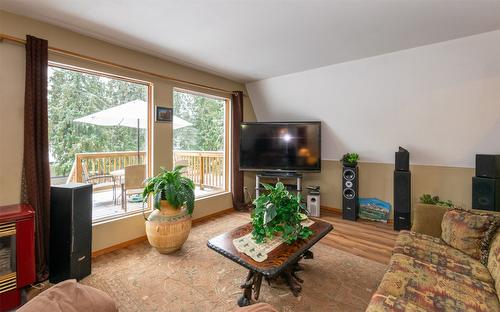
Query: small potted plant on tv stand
point(350, 160)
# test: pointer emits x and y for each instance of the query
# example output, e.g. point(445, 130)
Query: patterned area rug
point(198, 279)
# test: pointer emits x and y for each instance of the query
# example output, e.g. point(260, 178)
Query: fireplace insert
point(7, 257)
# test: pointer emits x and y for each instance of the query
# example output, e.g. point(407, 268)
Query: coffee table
point(281, 262)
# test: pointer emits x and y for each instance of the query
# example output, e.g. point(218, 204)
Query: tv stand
point(278, 176)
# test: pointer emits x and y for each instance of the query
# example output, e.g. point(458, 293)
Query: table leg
point(123, 197)
point(251, 285)
point(246, 299)
point(114, 190)
point(289, 275)
point(256, 286)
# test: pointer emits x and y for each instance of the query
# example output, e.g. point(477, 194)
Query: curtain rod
point(111, 64)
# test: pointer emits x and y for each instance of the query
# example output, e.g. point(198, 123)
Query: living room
point(116, 91)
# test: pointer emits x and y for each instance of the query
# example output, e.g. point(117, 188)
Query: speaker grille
point(350, 205)
point(485, 192)
point(402, 200)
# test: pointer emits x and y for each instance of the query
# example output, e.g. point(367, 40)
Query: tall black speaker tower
point(350, 203)
point(486, 183)
point(402, 191)
point(70, 231)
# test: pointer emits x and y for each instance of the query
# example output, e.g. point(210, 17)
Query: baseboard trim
point(331, 209)
point(121, 245)
point(140, 239)
point(212, 215)
point(339, 212)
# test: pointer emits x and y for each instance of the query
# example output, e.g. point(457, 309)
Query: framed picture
point(164, 114)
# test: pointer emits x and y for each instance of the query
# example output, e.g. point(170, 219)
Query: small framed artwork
point(164, 114)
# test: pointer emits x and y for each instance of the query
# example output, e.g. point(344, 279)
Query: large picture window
point(200, 139)
point(98, 134)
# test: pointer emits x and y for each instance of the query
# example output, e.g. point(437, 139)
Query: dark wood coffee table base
point(254, 280)
point(282, 262)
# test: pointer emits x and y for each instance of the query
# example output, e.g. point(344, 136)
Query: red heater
point(17, 253)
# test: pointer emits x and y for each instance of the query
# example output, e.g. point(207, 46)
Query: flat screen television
point(280, 146)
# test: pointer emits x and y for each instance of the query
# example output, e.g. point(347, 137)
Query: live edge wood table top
point(282, 261)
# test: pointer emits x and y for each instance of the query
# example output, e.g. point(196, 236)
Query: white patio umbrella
point(132, 114)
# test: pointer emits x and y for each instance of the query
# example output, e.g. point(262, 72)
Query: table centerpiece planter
point(169, 224)
point(279, 212)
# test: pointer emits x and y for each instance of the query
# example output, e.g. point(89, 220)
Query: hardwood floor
point(367, 239)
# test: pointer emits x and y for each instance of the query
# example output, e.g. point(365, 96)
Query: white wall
point(441, 101)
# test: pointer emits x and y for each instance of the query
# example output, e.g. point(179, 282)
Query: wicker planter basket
point(168, 228)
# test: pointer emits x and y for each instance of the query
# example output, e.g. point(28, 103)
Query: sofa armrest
point(427, 219)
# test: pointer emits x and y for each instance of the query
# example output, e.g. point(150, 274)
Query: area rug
point(196, 278)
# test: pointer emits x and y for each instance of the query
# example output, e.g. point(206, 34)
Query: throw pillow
point(469, 232)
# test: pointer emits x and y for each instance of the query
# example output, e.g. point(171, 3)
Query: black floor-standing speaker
point(402, 191)
point(70, 231)
point(486, 194)
point(486, 183)
point(350, 203)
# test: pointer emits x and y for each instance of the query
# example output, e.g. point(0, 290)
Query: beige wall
point(376, 180)
point(12, 64)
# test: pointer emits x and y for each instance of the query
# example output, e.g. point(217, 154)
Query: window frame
point(149, 130)
point(227, 136)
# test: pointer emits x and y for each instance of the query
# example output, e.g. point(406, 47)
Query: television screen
point(280, 146)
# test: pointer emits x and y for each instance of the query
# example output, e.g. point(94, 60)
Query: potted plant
point(428, 199)
point(168, 226)
point(279, 212)
point(350, 160)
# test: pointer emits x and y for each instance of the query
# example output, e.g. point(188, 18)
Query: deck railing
point(205, 168)
point(102, 163)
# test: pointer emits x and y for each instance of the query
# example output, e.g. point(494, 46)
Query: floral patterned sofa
point(458, 269)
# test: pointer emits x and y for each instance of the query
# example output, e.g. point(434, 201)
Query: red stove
point(17, 253)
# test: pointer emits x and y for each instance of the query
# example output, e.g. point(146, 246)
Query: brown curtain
point(35, 187)
point(237, 177)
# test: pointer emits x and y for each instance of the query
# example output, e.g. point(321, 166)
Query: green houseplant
point(435, 200)
point(168, 226)
point(172, 187)
point(279, 212)
point(350, 159)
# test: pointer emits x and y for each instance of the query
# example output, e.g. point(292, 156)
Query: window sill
point(221, 193)
point(147, 212)
point(131, 214)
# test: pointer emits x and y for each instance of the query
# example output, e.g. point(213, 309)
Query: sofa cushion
point(414, 285)
point(494, 261)
point(468, 232)
point(70, 296)
point(435, 251)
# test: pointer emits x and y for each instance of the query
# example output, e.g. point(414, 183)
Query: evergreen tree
point(73, 95)
point(207, 117)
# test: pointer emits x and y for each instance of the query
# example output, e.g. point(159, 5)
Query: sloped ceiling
point(441, 101)
point(250, 40)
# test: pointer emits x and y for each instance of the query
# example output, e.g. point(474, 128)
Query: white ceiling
point(249, 40)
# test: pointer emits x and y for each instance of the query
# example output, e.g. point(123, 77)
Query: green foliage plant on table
point(172, 187)
point(279, 212)
point(435, 200)
point(350, 159)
